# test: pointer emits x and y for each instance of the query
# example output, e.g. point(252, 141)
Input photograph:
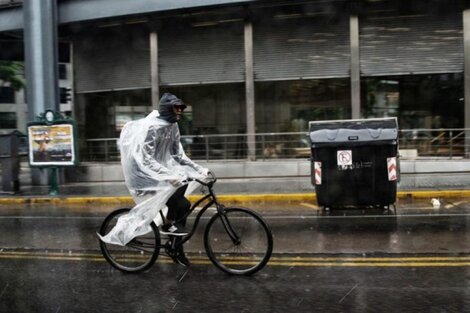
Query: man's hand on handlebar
point(205, 172)
point(179, 181)
point(210, 179)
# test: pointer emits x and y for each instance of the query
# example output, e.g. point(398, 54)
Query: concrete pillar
point(355, 67)
point(41, 55)
point(466, 40)
point(250, 91)
point(154, 79)
point(41, 63)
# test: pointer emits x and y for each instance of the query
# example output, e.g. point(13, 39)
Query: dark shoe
point(173, 230)
point(181, 258)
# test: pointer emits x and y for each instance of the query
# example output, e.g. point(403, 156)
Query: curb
point(232, 199)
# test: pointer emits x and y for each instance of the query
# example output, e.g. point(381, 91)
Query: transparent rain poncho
point(154, 166)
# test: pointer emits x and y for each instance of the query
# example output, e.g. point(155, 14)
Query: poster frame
point(50, 124)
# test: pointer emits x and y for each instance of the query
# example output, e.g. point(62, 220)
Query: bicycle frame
point(220, 209)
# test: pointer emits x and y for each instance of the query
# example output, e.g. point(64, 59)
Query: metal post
point(355, 67)
point(451, 145)
point(207, 147)
point(466, 40)
point(41, 50)
point(263, 145)
point(250, 92)
point(155, 83)
point(106, 150)
point(54, 191)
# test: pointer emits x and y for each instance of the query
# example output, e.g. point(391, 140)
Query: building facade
point(261, 66)
point(14, 106)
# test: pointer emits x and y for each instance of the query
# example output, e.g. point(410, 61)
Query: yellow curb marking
point(371, 264)
point(292, 197)
point(311, 206)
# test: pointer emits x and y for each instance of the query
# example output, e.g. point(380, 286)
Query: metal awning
point(71, 11)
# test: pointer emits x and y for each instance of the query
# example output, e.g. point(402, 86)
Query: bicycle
point(237, 240)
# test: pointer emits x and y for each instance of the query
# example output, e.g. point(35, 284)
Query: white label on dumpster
point(392, 169)
point(344, 157)
point(317, 169)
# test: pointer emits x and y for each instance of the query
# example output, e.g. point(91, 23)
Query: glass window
point(213, 109)
point(106, 111)
point(63, 95)
point(7, 120)
point(288, 106)
point(62, 71)
point(419, 101)
point(123, 117)
point(7, 95)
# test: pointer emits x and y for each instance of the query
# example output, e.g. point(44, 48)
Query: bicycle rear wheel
point(238, 242)
point(138, 255)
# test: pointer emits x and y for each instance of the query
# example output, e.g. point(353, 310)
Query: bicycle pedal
point(172, 255)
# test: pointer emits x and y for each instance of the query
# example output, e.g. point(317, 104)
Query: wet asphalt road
point(413, 260)
point(72, 286)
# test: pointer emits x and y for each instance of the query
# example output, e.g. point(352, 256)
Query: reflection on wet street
point(412, 259)
point(84, 286)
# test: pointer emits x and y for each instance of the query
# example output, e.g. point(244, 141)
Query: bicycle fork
point(227, 226)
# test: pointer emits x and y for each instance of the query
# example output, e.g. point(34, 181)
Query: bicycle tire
point(249, 255)
point(138, 255)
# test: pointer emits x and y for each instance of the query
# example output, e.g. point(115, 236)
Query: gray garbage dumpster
point(10, 161)
point(355, 162)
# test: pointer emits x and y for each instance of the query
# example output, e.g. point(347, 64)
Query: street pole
point(41, 55)
point(41, 62)
point(54, 189)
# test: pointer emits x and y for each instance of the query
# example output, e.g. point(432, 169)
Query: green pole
point(54, 191)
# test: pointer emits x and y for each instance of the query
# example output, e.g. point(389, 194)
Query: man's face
point(178, 109)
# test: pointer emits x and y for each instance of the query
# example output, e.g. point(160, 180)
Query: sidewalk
point(246, 181)
point(116, 193)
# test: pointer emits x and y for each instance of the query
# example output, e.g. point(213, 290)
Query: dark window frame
point(10, 120)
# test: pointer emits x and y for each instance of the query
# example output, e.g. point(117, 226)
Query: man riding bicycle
point(156, 170)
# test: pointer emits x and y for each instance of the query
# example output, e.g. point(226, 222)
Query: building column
point(41, 56)
point(355, 67)
point(250, 92)
point(154, 79)
point(466, 49)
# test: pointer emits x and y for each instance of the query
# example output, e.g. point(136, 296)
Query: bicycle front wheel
point(238, 241)
point(138, 255)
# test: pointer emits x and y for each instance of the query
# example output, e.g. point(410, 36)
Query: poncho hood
point(165, 107)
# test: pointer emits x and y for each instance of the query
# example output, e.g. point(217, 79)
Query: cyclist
point(155, 170)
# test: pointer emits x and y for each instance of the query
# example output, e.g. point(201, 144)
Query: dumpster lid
point(358, 130)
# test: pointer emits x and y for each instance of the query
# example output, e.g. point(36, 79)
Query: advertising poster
point(51, 145)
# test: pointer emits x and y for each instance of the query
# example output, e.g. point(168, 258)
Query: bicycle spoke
point(141, 247)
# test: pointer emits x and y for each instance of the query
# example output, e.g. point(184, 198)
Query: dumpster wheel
point(388, 209)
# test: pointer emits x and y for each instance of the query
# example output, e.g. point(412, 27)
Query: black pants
point(178, 205)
